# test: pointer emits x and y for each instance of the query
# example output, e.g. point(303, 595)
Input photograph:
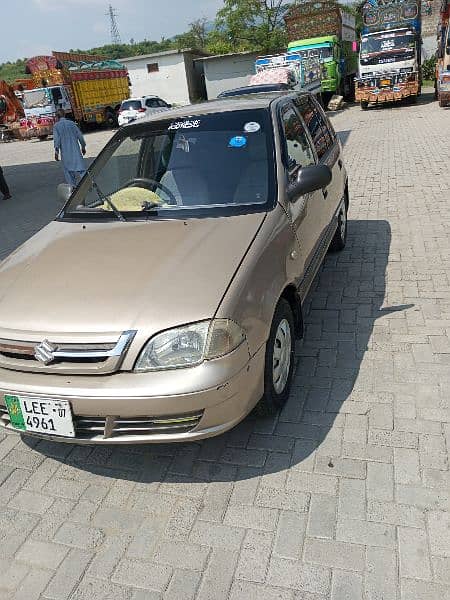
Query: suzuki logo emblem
point(45, 352)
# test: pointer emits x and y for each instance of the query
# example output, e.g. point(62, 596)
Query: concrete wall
point(170, 82)
point(227, 72)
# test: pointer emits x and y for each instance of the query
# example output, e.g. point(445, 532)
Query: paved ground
point(344, 496)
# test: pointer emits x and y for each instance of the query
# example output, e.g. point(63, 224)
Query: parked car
point(164, 301)
point(256, 89)
point(138, 108)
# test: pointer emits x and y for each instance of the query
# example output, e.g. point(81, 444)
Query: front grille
point(65, 358)
point(101, 428)
point(117, 427)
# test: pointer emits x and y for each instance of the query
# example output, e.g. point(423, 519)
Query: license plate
point(385, 82)
point(39, 415)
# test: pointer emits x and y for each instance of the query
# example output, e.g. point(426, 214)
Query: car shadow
point(345, 319)
point(343, 136)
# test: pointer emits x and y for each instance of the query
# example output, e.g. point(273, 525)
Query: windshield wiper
point(104, 198)
point(150, 206)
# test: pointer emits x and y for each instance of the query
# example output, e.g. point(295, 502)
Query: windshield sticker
point(185, 124)
point(252, 127)
point(239, 141)
point(387, 44)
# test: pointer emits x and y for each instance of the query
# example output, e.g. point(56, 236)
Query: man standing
point(69, 141)
point(4, 189)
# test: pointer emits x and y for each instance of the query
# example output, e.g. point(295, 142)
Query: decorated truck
point(90, 89)
point(11, 111)
point(390, 61)
point(443, 56)
point(292, 69)
point(326, 31)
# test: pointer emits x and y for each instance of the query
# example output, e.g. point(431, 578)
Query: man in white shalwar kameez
point(70, 143)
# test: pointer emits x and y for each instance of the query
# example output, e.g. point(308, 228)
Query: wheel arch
point(291, 295)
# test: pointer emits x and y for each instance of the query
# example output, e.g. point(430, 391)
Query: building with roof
point(173, 75)
point(227, 71)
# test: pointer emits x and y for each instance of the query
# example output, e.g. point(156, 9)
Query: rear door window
point(299, 153)
point(131, 105)
point(316, 125)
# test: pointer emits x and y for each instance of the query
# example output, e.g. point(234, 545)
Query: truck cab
point(390, 53)
point(335, 60)
point(44, 102)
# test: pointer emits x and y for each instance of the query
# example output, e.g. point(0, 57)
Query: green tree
point(196, 37)
point(252, 25)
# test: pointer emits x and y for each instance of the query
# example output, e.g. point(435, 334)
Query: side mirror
point(64, 192)
point(310, 179)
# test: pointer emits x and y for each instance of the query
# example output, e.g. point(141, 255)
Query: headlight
point(190, 345)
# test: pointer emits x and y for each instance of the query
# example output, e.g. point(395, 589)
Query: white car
point(138, 108)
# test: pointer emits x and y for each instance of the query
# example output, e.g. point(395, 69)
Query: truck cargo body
point(390, 52)
point(326, 31)
point(443, 55)
point(300, 73)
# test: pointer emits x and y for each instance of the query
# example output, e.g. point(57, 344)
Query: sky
point(40, 26)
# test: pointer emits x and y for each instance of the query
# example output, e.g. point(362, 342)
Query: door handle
point(340, 163)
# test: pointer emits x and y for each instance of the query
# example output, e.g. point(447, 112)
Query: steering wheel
point(153, 183)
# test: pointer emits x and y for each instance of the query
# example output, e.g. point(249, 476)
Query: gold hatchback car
point(164, 301)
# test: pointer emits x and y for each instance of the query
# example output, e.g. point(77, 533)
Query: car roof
point(255, 89)
point(139, 98)
point(246, 102)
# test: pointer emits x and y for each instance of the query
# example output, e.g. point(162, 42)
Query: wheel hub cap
point(282, 356)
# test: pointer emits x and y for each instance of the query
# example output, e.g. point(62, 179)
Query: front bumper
point(373, 93)
point(130, 408)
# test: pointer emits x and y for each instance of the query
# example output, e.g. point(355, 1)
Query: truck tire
point(111, 119)
point(364, 105)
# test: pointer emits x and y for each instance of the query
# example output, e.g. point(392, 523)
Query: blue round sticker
point(238, 141)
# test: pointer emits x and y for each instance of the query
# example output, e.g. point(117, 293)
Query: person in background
point(70, 143)
point(4, 189)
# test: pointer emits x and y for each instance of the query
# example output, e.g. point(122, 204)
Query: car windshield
point(387, 43)
point(220, 163)
point(37, 98)
point(322, 53)
point(131, 105)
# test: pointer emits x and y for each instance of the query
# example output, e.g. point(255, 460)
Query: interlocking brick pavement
point(343, 496)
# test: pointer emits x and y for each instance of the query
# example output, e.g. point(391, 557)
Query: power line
point(115, 35)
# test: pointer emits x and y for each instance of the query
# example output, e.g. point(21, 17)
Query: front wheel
point(364, 105)
point(340, 237)
point(279, 364)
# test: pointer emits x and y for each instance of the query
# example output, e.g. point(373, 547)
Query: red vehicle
point(11, 111)
point(443, 54)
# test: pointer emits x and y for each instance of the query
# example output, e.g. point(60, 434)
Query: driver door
point(304, 211)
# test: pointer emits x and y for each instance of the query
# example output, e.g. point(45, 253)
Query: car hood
point(95, 278)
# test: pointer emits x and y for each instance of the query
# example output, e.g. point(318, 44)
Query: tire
point(111, 119)
point(364, 105)
point(339, 240)
point(442, 104)
point(278, 380)
point(42, 138)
